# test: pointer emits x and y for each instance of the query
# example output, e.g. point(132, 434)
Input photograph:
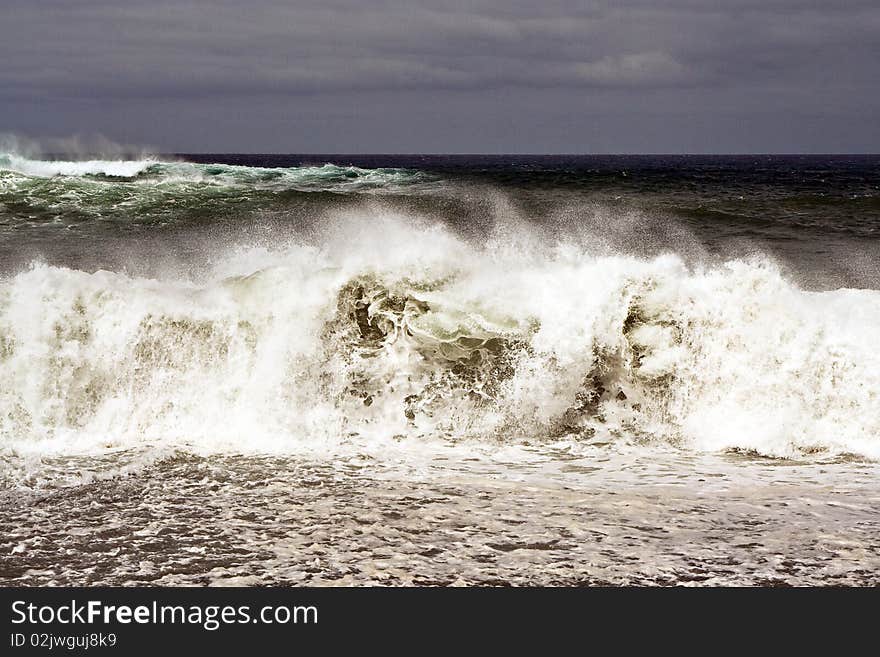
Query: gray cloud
point(631, 75)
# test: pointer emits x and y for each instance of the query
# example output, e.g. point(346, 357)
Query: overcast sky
point(446, 76)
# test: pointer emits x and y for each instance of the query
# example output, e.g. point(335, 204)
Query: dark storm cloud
point(704, 67)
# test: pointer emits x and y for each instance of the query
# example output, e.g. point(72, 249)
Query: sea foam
point(396, 329)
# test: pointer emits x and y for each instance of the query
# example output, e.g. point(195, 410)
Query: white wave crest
point(395, 331)
point(326, 177)
point(49, 168)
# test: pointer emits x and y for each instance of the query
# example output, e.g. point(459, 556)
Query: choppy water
point(329, 369)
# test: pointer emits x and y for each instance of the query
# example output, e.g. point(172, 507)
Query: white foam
point(49, 168)
point(304, 178)
point(262, 355)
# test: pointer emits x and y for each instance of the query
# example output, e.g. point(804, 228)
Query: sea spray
point(399, 329)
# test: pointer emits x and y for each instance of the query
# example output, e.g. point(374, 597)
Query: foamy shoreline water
point(656, 520)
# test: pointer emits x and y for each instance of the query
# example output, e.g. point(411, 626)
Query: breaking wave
point(16, 169)
point(402, 331)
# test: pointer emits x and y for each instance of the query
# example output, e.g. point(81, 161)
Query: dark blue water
point(837, 193)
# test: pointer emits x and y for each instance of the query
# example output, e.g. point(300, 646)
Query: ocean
point(439, 370)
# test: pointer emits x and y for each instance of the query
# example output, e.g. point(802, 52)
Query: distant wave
point(327, 177)
point(402, 331)
point(49, 168)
